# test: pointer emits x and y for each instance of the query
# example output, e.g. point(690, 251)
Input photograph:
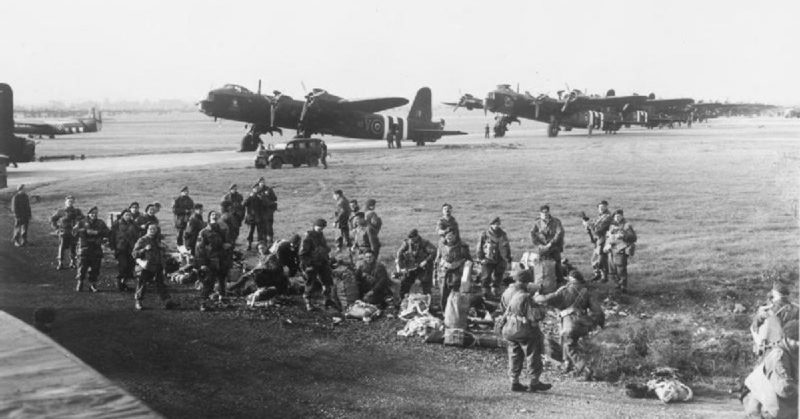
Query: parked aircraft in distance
point(53, 127)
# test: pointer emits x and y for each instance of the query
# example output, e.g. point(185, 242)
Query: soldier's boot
point(249, 245)
point(138, 305)
point(121, 286)
point(517, 387)
point(60, 266)
point(537, 385)
point(72, 264)
point(79, 286)
point(93, 288)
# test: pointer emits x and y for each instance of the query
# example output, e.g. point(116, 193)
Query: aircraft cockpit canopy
point(236, 88)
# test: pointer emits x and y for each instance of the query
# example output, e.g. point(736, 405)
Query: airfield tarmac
point(714, 207)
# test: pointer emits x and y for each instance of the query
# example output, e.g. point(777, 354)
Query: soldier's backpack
point(345, 287)
point(544, 272)
point(456, 310)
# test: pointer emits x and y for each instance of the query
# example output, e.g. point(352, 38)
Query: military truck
point(297, 152)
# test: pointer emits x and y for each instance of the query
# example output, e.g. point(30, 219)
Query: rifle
point(592, 238)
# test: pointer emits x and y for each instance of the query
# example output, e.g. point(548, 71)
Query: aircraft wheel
point(275, 164)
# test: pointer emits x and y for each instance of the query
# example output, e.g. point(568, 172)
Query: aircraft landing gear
point(250, 142)
point(552, 130)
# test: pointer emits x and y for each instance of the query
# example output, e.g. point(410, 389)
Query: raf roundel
point(376, 126)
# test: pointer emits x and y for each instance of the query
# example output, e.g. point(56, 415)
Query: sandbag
point(456, 310)
point(458, 337)
point(345, 288)
point(544, 275)
point(670, 390)
point(422, 326)
point(415, 305)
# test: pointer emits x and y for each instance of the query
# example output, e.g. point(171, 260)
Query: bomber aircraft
point(570, 110)
point(668, 112)
point(51, 128)
point(466, 101)
point(324, 113)
point(16, 149)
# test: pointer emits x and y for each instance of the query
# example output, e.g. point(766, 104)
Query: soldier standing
point(150, 253)
point(342, 215)
point(324, 157)
point(486, 131)
point(521, 331)
point(415, 261)
point(253, 210)
point(64, 221)
point(598, 228)
point(373, 279)
point(447, 223)
point(494, 255)
point(315, 263)
point(450, 258)
point(229, 219)
point(620, 244)
point(579, 313)
point(21, 206)
point(269, 204)
point(193, 228)
point(144, 220)
point(211, 256)
point(372, 217)
point(125, 237)
point(237, 204)
point(91, 233)
point(182, 209)
point(547, 236)
point(354, 209)
point(364, 237)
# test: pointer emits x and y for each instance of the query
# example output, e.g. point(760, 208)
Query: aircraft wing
point(371, 105)
point(583, 102)
point(670, 102)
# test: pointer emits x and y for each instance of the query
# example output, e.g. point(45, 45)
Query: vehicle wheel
point(313, 161)
point(296, 164)
point(260, 164)
point(275, 164)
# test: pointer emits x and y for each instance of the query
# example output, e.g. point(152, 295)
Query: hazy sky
point(94, 50)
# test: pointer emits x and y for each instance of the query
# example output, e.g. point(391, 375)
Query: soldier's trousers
point(425, 276)
point(318, 278)
point(20, 230)
point(89, 264)
point(265, 231)
point(619, 268)
point(146, 278)
point(571, 331)
point(451, 281)
point(528, 352)
point(600, 261)
point(343, 237)
point(125, 266)
point(215, 278)
point(253, 229)
point(492, 274)
point(66, 242)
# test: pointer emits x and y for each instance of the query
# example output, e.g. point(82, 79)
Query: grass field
point(714, 207)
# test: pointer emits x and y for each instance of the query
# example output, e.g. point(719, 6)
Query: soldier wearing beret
point(547, 236)
point(314, 257)
point(364, 237)
point(125, 237)
point(21, 206)
point(620, 245)
point(91, 233)
point(415, 261)
point(182, 209)
point(211, 255)
point(598, 227)
point(451, 257)
point(372, 217)
point(237, 204)
point(64, 221)
point(447, 223)
point(342, 215)
point(193, 228)
point(494, 255)
point(373, 279)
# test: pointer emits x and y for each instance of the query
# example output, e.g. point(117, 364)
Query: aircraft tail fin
point(421, 109)
point(6, 118)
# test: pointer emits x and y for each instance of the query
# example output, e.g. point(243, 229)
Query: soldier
point(373, 279)
point(269, 204)
point(135, 214)
point(447, 223)
point(268, 273)
point(364, 237)
point(494, 255)
point(149, 217)
point(253, 216)
point(597, 229)
point(315, 263)
point(193, 228)
point(372, 217)
point(390, 139)
point(771, 389)
point(211, 256)
point(324, 157)
point(342, 215)
point(486, 131)
point(182, 209)
point(237, 204)
point(125, 237)
point(415, 261)
point(769, 320)
point(354, 209)
point(150, 253)
point(521, 330)
point(91, 233)
point(229, 219)
point(620, 244)
point(64, 221)
point(21, 206)
point(579, 313)
point(450, 258)
point(547, 236)
point(287, 253)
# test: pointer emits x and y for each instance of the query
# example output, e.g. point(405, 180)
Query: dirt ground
point(714, 206)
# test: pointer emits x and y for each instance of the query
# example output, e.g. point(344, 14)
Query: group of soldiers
point(136, 239)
